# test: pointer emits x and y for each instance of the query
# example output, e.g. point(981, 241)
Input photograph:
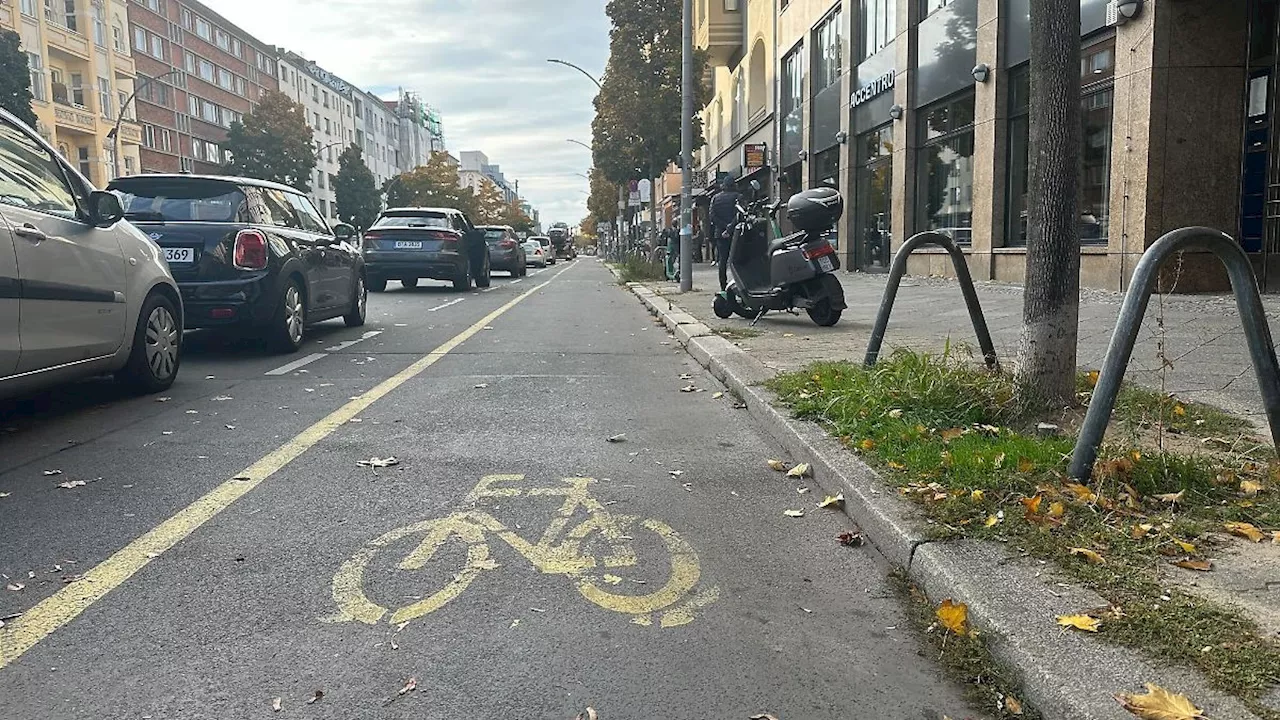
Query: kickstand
point(762, 312)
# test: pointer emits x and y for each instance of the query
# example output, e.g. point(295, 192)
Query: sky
point(482, 63)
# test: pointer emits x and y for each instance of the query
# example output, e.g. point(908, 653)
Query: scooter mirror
point(755, 185)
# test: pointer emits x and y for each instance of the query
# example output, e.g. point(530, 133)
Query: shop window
point(828, 48)
point(945, 197)
point(879, 25)
point(826, 168)
point(1097, 65)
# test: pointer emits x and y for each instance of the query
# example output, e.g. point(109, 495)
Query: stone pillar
point(989, 143)
point(904, 129)
point(847, 156)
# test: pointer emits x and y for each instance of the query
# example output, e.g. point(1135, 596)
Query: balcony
point(75, 118)
point(719, 31)
point(124, 65)
point(67, 42)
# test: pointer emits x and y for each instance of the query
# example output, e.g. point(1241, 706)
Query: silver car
point(82, 292)
point(536, 253)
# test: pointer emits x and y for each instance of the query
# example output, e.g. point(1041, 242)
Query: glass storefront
point(826, 167)
point(945, 196)
point(873, 205)
point(1097, 70)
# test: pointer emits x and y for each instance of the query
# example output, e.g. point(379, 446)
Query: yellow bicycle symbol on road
point(561, 550)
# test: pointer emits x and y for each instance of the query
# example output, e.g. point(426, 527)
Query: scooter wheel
point(824, 314)
point(722, 308)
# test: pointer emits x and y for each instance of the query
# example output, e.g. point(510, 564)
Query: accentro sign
point(884, 83)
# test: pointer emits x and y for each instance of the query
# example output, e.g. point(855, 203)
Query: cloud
point(482, 64)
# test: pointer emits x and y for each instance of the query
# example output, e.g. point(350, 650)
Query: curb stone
point(1012, 599)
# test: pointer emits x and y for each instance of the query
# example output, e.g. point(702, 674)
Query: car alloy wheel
point(293, 313)
point(162, 343)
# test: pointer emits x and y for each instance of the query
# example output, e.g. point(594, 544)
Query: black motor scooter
point(784, 273)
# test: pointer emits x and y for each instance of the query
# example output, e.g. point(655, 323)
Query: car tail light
point(449, 240)
point(814, 252)
point(371, 240)
point(251, 250)
point(507, 244)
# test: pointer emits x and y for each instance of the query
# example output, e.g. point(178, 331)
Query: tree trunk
point(1046, 365)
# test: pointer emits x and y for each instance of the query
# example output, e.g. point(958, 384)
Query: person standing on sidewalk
point(724, 213)
point(672, 237)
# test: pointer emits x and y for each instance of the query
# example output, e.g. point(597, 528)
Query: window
point(316, 117)
point(184, 122)
point(1097, 71)
point(154, 6)
point(879, 25)
point(738, 110)
point(222, 40)
point(69, 15)
point(280, 211)
point(104, 98)
point(203, 30)
point(224, 79)
point(30, 176)
point(328, 127)
point(185, 164)
point(122, 98)
point(99, 28)
point(82, 160)
point(929, 6)
point(166, 140)
point(239, 86)
point(204, 69)
point(212, 153)
point(186, 18)
point(157, 47)
point(311, 220)
point(193, 105)
point(945, 196)
point(265, 63)
point(236, 48)
point(129, 168)
point(117, 39)
point(828, 47)
point(209, 113)
point(139, 39)
point(29, 8)
point(315, 93)
point(149, 136)
point(325, 93)
point(160, 92)
point(826, 167)
point(36, 63)
point(189, 62)
point(793, 81)
point(77, 90)
point(197, 147)
point(320, 179)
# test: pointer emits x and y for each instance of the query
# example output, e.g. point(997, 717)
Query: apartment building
point(378, 132)
point(330, 113)
point(420, 129)
point(475, 168)
point(197, 74)
point(82, 76)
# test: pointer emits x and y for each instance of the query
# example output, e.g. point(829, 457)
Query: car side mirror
point(105, 209)
point(343, 231)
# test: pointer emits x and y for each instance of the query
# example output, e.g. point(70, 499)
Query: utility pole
point(686, 151)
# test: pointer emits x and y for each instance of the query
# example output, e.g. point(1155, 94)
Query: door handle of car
point(30, 232)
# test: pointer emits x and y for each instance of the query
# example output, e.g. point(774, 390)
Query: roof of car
point(235, 179)
point(496, 227)
point(421, 209)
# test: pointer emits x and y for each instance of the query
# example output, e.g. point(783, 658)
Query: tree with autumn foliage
point(435, 184)
point(491, 205)
point(273, 143)
point(513, 214)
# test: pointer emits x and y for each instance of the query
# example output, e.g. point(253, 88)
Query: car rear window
point(179, 200)
point(414, 220)
point(492, 235)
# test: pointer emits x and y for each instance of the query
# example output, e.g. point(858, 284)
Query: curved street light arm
point(575, 67)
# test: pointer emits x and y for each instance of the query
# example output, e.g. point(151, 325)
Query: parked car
point(249, 255)
point(505, 249)
point(82, 293)
point(408, 244)
point(536, 253)
point(548, 250)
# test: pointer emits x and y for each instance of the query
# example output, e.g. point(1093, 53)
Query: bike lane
point(669, 585)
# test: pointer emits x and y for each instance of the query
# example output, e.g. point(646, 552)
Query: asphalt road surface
point(226, 552)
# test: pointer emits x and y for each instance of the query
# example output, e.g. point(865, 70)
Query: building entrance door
point(873, 202)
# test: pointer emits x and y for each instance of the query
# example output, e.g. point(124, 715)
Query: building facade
point(917, 110)
point(420, 130)
point(378, 133)
point(475, 168)
point(82, 76)
point(197, 74)
point(330, 111)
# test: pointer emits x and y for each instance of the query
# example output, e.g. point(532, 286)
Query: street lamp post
point(114, 134)
point(686, 150)
point(575, 67)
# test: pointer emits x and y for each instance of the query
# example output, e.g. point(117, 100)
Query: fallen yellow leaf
point(1196, 564)
point(977, 496)
point(777, 465)
point(1093, 378)
point(1033, 504)
point(994, 520)
point(1171, 497)
point(1089, 555)
point(1179, 410)
point(1025, 465)
point(1080, 622)
point(799, 471)
point(896, 466)
point(1186, 546)
point(998, 462)
point(1275, 537)
point(954, 616)
point(1160, 704)
point(832, 501)
point(1013, 705)
point(867, 445)
point(952, 434)
point(1057, 509)
point(1249, 487)
point(895, 413)
point(1142, 530)
point(1244, 530)
point(1081, 492)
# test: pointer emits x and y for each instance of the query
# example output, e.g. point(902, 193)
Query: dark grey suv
point(408, 244)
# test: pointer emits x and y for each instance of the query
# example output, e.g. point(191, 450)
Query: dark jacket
point(724, 210)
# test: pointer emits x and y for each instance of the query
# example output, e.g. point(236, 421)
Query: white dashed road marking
point(303, 362)
point(441, 307)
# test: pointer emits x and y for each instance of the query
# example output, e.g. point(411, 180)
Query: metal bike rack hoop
point(1252, 316)
point(899, 268)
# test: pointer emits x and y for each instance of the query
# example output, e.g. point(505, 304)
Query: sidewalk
point(1202, 334)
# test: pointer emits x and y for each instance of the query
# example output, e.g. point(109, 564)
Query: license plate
point(825, 263)
point(408, 245)
point(180, 255)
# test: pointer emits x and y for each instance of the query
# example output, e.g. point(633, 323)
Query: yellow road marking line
point(21, 634)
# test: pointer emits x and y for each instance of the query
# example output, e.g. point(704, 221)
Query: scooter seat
point(784, 242)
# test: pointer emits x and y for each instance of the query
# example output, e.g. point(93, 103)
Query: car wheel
point(289, 324)
point(157, 347)
point(410, 282)
point(378, 285)
point(463, 282)
point(485, 278)
point(359, 305)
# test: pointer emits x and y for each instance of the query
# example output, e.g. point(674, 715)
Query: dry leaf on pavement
point(4, 495)
point(835, 501)
point(377, 462)
point(14, 587)
point(793, 513)
point(954, 616)
point(1195, 564)
point(318, 694)
point(689, 389)
point(776, 465)
point(717, 396)
point(1013, 705)
point(1080, 622)
point(764, 716)
point(1081, 492)
point(799, 471)
point(588, 714)
point(1244, 530)
point(852, 539)
point(1089, 555)
point(72, 484)
point(1160, 704)
point(48, 473)
point(275, 704)
point(409, 686)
